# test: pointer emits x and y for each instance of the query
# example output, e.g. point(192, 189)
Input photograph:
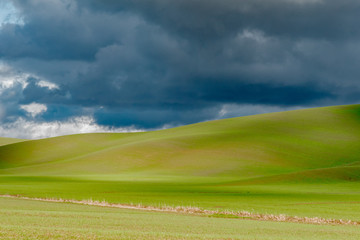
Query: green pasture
point(328, 200)
point(300, 163)
point(24, 219)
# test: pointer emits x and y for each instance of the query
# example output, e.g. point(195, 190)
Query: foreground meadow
point(25, 219)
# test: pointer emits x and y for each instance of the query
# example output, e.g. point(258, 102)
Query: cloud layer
point(22, 128)
point(151, 64)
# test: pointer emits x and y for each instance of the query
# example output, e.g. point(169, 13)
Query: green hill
point(5, 141)
point(312, 143)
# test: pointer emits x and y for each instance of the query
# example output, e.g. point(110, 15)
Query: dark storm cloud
point(58, 30)
point(213, 19)
point(152, 63)
point(35, 93)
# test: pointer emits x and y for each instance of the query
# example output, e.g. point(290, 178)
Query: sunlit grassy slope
point(5, 141)
point(304, 144)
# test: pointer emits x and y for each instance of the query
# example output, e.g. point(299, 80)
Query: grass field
point(338, 201)
point(33, 220)
point(300, 163)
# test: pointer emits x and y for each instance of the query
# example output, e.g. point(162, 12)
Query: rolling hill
point(302, 144)
point(5, 140)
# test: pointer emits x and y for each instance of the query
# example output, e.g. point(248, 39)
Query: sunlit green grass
point(6, 141)
point(24, 219)
point(338, 201)
point(300, 163)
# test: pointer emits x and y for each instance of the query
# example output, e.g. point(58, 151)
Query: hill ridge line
point(196, 211)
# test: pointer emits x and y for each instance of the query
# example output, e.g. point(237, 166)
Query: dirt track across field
point(198, 211)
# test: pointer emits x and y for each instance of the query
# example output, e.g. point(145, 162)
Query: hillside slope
point(5, 140)
point(285, 143)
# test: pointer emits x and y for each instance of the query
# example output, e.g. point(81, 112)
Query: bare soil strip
point(198, 211)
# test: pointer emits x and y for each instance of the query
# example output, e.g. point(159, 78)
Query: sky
point(72, 66)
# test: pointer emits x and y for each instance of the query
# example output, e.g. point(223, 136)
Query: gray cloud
point(212, 19)
point(156, 63)
point(25, 129)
